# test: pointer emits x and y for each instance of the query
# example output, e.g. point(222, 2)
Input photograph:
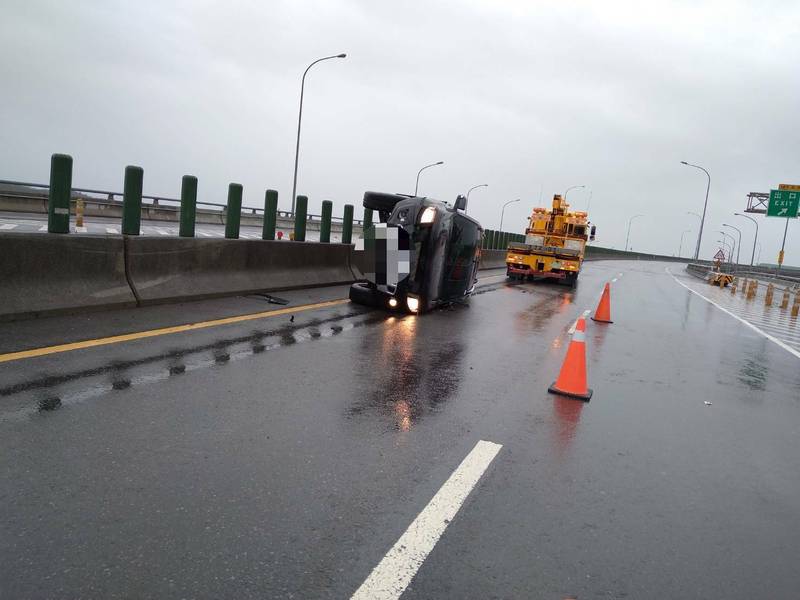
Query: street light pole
point(755, 239)
point(503, 212)
point(574, 187)
point(725, 246)
point(705, 205)
point(416, 187)
point(680, 248)
point(628, 236)
point(300, 120)
point(739, 246)
point(474, 187)
point(733, 244)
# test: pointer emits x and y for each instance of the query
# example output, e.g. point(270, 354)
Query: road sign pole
point(783, 245)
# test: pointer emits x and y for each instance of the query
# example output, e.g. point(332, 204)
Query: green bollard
point(325, 227)
point(300, 217)
point(270, 215)
point(132, 200)
point(347, 226)
point(233, 214)
point(58, 197)
point(367, 219)
point(188, 205)
point(487, 239)
point(493, 240)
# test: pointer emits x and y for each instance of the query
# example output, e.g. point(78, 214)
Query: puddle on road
point(412, 377)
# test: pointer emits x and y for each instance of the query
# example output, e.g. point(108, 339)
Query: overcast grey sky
point(524, 96)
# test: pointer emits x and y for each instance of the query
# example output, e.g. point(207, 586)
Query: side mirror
point(461, 203)
point(591, 232)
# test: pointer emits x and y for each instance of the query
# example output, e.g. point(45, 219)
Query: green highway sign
point(783, 203)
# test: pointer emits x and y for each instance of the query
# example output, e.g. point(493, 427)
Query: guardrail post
point(347, 225)
point(300, 218)
point(188, 205)
point(270, 215)
point(233, 214)
point(58, 197)
point(367, 218)
point(325, 226)
point(132, 200)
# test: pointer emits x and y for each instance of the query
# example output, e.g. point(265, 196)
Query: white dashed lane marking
point(393, 574)
point(8, 226)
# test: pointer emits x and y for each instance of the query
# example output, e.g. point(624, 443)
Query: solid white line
point(43, 228)
point(81, 229)
point(204, 234)
point(771, 338)
point(393, 574)
point(8, 226)
point(111, 230)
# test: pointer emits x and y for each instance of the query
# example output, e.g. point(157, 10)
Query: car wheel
point(362, 293)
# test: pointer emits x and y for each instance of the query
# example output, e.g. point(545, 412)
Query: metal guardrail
point(110, 201)
point(703, 270)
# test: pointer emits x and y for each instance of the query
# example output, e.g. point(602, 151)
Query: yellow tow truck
point(555, 243)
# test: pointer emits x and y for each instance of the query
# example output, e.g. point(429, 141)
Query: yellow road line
point(128, 337)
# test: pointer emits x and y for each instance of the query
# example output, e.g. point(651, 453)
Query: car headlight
point(412, 303)
point(393, 302)
point(427, 215)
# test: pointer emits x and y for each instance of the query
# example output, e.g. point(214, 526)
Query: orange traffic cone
point(572, 378)
point(602, 313)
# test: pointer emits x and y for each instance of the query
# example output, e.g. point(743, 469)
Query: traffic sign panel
point(720, 255)
point(783, 203)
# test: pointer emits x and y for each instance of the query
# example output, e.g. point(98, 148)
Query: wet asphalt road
point(271, 459)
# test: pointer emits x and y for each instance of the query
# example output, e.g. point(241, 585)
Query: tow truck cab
point(428, 255)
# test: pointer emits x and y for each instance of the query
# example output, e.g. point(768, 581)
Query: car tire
point(362, 293)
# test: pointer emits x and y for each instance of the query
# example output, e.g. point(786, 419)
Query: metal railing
point(767, 275)
point(155, 201)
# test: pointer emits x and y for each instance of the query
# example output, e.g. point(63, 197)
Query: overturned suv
point(423, 253)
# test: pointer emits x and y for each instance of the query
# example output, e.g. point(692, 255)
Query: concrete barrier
point(44, 274)
point(172, 269)
point(492, 259)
